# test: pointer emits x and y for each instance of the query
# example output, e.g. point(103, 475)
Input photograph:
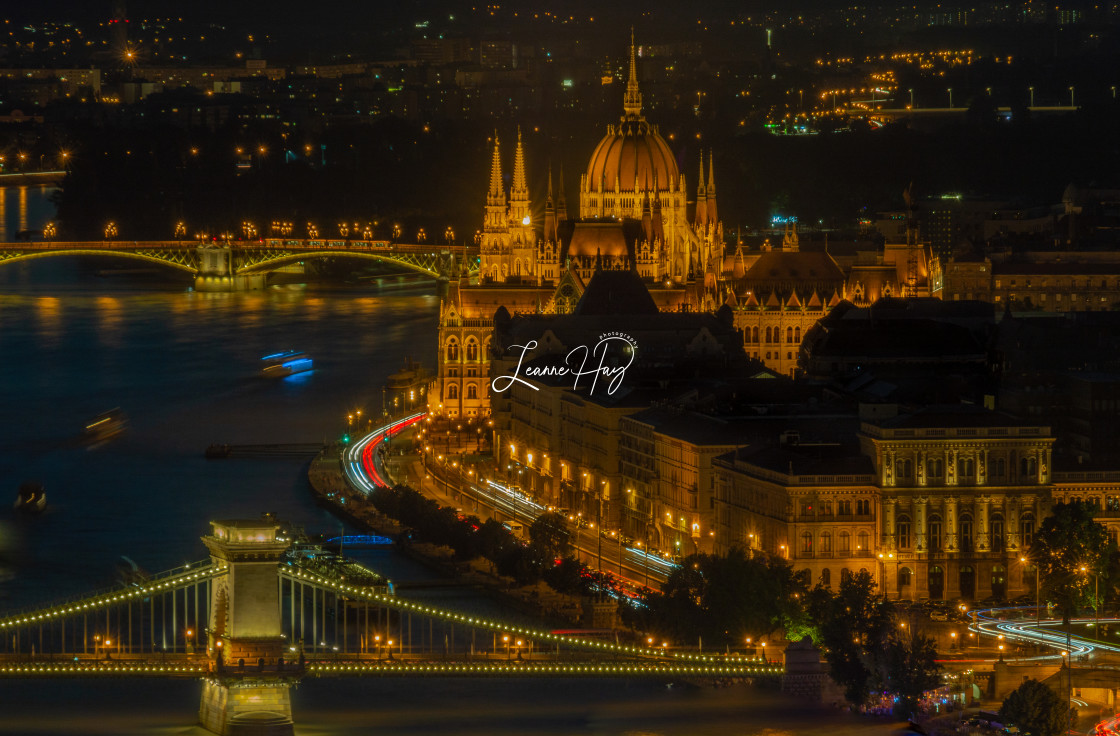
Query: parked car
point(939, 616)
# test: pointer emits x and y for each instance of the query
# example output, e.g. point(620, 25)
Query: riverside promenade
point(332, 491)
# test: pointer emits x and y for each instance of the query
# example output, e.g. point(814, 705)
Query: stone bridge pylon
point(248, 692)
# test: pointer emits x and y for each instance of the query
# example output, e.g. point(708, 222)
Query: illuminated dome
point(632, 149)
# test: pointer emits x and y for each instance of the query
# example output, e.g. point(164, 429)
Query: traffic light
point(346, 439)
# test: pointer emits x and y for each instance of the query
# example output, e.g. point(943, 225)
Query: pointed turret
point(496, 194)
point(632, 102)
point(713, 215)
point(647, 219)
point(519, 192)
point(561, 201)
point(496, 189)
point(549, 212)
point(701, 197)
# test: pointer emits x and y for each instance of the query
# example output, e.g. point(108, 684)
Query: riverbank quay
point(333, 492)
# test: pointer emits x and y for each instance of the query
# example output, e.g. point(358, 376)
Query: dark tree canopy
point(1069, 549)
point(1035, 708)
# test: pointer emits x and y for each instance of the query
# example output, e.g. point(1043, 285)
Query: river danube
point(77, 340)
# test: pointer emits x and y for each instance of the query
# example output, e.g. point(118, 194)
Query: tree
point(854, 627)
point(1036, 708)
point(910, 668)
point(551, 533)
point(1070, 549)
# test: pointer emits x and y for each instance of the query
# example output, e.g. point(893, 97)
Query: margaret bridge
point(243, 265)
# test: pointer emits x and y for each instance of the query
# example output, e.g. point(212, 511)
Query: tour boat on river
point(282, 365)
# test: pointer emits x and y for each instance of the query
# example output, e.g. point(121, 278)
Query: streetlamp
point(1071, 98)
point(377, 640)
point(505, 639)
point(950, 98)
point(911, 98)
point(1031, 88)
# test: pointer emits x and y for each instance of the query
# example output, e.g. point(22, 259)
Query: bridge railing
point(148, 581)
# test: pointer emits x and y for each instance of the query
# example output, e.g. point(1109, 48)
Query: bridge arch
point(409, 261)
point(178, 260)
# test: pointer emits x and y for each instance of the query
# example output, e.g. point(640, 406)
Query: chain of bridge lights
point(418, 608)
point(100, 601)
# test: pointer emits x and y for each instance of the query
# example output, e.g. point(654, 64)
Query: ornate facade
point(633, 215)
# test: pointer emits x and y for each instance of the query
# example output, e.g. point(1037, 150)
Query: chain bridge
point(242, 265)
point(263, 612)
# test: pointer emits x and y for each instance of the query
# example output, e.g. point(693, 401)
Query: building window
point(935, 468)
point(1026, 530)
point(826, 578)
point(862, 545)
point(452, 349)
point(863, 506)
point(452, 391)
point(999, 468)
point(966, 533)
point(997, 533)
point(905, 468)
point(844, 508)
point(472, 391)
point(797, 335)
point(845, 541)
point(789, 334)
point(1028, 467)
point(967, 467)
point(826, 543)
point(903, 577)
point(472, 350)
point(935, 534)
point(902, 530)
point(807, 543)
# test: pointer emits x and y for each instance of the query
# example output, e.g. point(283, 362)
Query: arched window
point(966, 467)
point(769, 335)
point(904, 577)
point(936, 582)
point(789, 334)
point(453, 391)
point(935, 468)
point(845, 575)
point(826, 578)
point(517, 267)
point(935, 533)
point(999, 581)
point(452, 349)
point(1028, 467)
point(755, 333)
point(905, 468)
point(845, 541)
point(862, 545)
point(472, 391)
point(472, 349)
point(999, 468)
point(807, 543)
point(902, 531)
point(826, 543)
point(797, 334)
